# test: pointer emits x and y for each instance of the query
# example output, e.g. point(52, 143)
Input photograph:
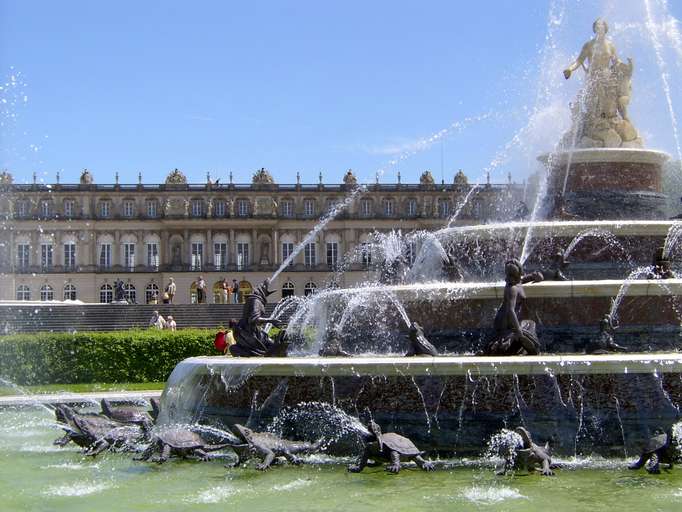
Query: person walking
point(201, 290)
point(235, 292)
point(225, 290)
point(170, 290)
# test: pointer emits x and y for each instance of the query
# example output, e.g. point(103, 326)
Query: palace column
point(275, 245)
point(210, 256)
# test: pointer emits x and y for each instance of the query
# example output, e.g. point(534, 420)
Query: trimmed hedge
point(86, 357)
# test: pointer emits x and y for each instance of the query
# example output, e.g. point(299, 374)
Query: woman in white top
point(157, 321)
point(170, 323)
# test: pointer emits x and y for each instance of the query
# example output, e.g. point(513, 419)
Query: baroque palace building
point(73, 241)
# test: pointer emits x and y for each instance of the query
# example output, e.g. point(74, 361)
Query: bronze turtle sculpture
point(389, 447)
point(659, 449)
point(180, 441)
point(130, 415)
point(97, 426)
point(120, 438)
point(267, 446)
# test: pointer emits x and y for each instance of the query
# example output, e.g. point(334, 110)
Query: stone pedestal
point(606, 183)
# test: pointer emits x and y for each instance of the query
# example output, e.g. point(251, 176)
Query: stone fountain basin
point(583, 404)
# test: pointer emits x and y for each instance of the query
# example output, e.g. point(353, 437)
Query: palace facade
point(73, 241)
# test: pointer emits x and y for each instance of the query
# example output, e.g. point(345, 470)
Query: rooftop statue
point(86, 178)
point(426, 179)
point(176, 177)
point(5, 178)
point(349, 179)
point(252, 338)
point(600, 112)
point(262, 177)
point(461, 178)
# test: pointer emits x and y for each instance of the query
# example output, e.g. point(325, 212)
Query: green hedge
point(85, 357)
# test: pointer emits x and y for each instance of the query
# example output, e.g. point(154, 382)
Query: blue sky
point(307, 86)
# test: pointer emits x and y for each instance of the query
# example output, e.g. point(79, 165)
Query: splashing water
point(653, 30)
point(672, 239)
point(635, 274)
point(602, 234)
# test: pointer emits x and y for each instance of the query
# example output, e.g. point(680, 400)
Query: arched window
point(46, 292)
point(443, 208)
point(69, 291)
point(193, 293)
point(309, 288)
point(106, 293)
point(23, 292)
point(288, 289)
point(151, 293)
point(245, 289)
point(218, 293)
point(130, 293)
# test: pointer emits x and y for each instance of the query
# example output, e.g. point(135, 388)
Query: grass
point(82, 388)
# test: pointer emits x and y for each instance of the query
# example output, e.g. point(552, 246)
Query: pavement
point(77, 398)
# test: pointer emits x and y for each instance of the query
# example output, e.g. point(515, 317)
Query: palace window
point(197, 208)
point(287, 250)
point(389, 207)
point(243, 207)
point(70, 255)
point(23, 292)
point(46, 293)
point(23, 256)
point(129, 255)
point(22, 208)
point(411, 208)
point(45, 209)
point(309, 207)
point(366, 207)
point(288, 289)
point(332, 254)
point(153, 255)
point(287, 208)
point(151, 293)
point(242, 255)
point(69, 208)
point(46, 256)
point(197, 256)
point(104, 209)
point(69, 291)
point(220, 255)
point(105, 256)
point(309, 254)
point(219, 208)
point(130, 293)
point(106, 293)
point(309, 288)
point(152, 208)
point(443, 208)
point(128, 208)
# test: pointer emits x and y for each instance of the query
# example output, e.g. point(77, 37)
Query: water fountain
point(603, 403)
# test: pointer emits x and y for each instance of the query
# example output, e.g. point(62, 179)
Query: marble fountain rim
point(397, 366)
point(607, 155)
point(545, 289)
point(564, 228)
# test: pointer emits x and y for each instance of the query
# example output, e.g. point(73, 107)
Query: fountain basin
point(608, 182)
point(449, 404)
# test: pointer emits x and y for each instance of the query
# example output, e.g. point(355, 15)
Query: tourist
point(229, 335)
point(170, 323)
point(235, 292)
point(157, 321)
point(170, 290)
point(225, 290)
point(201, 290)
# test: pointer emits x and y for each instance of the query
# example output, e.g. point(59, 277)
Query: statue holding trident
point(600, 113)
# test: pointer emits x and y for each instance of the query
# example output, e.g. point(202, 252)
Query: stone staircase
point(59, 317)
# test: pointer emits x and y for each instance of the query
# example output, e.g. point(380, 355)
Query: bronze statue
point(659, 449)
point(604, 343)
point(514, 336)
point(252, 339)
point(559, 265)
point(419, 345)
